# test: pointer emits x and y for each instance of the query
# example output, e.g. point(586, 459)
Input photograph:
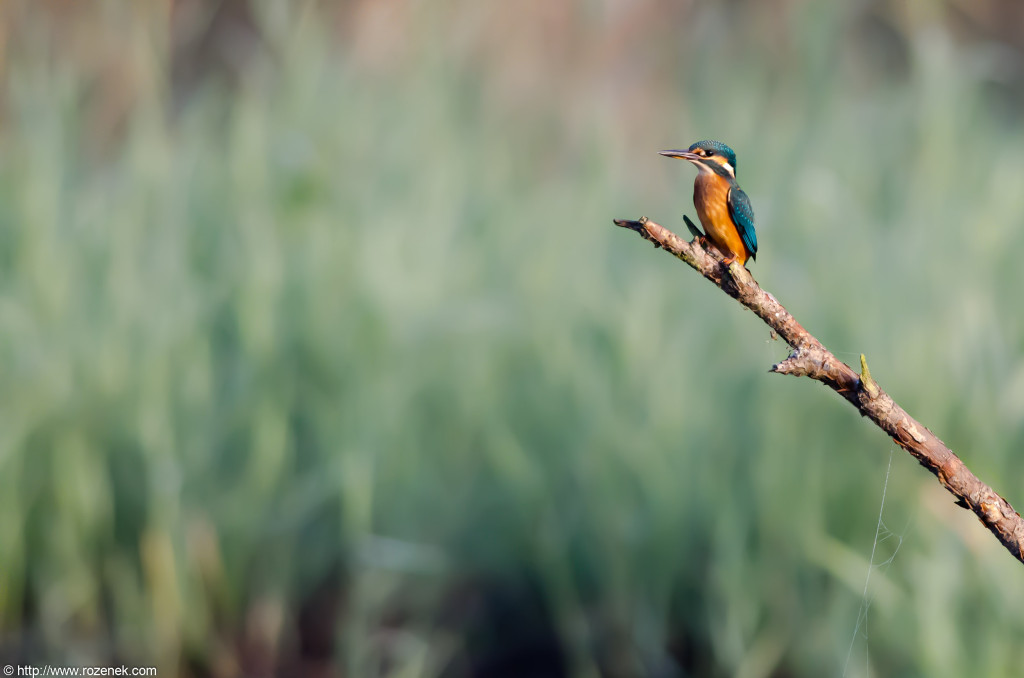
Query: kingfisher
point(724, 209)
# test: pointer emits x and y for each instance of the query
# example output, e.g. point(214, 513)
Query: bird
point(722, 206)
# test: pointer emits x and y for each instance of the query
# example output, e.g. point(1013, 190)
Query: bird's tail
point(694, 231)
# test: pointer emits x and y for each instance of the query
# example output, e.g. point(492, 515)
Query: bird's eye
point(708, 154)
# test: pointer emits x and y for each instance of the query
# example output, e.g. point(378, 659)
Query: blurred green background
point(321, 355)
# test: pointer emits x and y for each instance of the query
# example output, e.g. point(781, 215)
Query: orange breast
point(710, 197)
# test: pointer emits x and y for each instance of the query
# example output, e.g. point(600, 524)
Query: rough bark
point(809, 358)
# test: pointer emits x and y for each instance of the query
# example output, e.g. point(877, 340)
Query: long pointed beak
point(684, 155)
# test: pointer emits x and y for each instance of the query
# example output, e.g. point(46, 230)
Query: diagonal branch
point(809, 358)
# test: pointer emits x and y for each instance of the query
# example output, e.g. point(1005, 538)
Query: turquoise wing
point(743, 216)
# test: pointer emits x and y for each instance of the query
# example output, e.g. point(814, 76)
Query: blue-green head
point(709, 155)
